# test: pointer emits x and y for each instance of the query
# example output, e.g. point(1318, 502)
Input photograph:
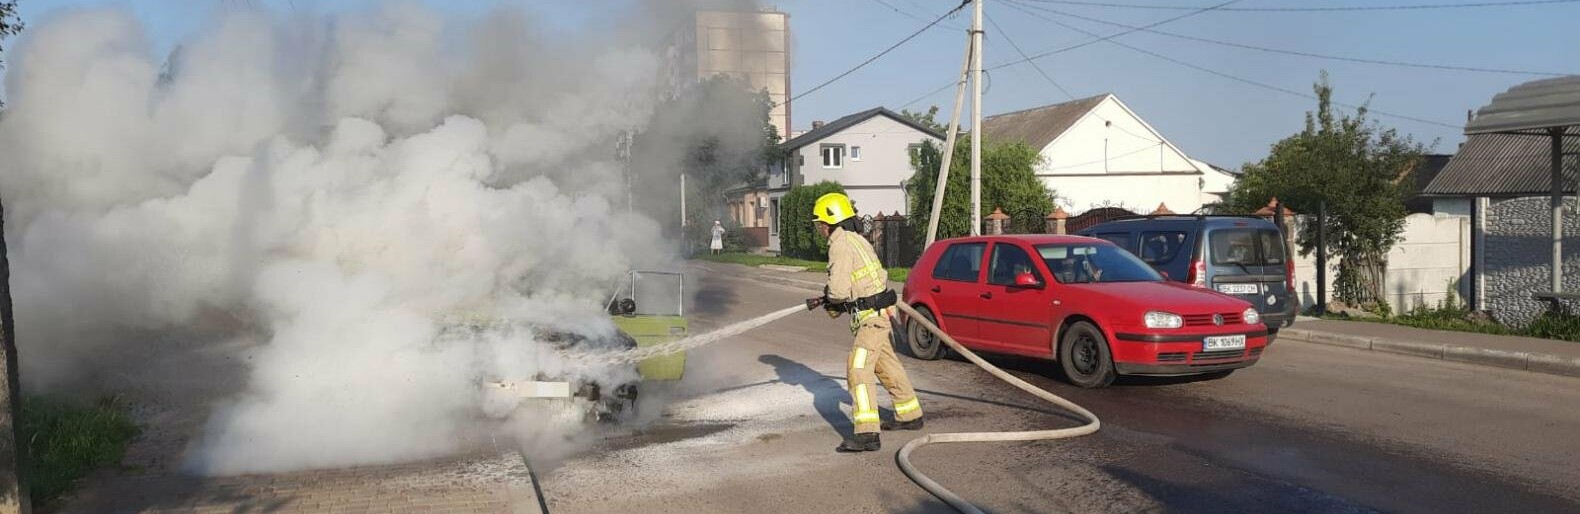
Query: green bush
point(66, 441)
point(797, 235)
point(1009, 182)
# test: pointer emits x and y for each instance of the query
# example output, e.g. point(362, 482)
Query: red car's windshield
point(1095, 262)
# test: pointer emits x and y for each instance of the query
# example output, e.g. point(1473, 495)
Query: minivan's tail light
point(1198, 274)
point(1289, 275)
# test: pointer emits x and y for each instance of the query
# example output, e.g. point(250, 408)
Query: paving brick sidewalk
point(479, 484)
point(1527, 353)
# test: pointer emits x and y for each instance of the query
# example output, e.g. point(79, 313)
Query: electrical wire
point(1294, 52)
point(869, 60)
point(907, 14)
point(1110, 37)
point(1068, 48)
point(1016, 5)
point(1330, 8)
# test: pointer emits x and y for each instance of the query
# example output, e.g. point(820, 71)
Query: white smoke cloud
point(336, 188)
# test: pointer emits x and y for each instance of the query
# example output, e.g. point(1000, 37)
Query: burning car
point(648, 309)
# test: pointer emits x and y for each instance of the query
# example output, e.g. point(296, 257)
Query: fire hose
point(943, 493)
point(903, 458)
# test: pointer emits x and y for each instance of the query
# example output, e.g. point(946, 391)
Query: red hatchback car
point(1092, 306)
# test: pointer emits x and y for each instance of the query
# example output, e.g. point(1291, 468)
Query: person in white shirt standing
point(717, 245)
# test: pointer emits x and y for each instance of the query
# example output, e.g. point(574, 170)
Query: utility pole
point(949, 143)
point(14, 496)
point(976, 120)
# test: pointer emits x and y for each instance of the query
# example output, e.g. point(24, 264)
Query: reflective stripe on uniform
point(870, 269)
point(860, 394)
point(907, 407)
point(858, 358)
point(870, 416)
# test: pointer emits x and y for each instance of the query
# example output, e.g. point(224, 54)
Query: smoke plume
point(322, 198)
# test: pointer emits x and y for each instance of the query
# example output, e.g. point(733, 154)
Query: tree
point(13, 483)
point(718, 133)
point(1361, 169)
point(797, 236)
point(1008, 182)
point(927, 119)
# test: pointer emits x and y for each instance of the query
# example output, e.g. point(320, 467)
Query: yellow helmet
point(833, 208)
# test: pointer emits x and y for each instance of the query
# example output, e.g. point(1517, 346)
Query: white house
point(868, 152)
point(1098, 153)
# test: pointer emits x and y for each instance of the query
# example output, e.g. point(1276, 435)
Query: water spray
point(903, 458)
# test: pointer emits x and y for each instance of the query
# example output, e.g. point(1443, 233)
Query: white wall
point(1140, 193)
point(1434, 250)
point(874, 181)
point(1111, 157)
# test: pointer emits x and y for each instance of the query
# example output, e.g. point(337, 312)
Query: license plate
point(1238, 289)
point(1215, 343)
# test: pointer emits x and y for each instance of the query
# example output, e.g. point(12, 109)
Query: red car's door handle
point(987, 296)
point(937, 289)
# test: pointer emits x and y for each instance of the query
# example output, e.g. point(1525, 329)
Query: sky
point(1212, 118)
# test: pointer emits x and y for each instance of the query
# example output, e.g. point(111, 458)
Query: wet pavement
point(1310, 428)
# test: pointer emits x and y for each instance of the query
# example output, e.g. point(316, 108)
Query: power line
point(1014, 4)
point(1110, 37)
point(880, 54)
point(1296, 52)
point(1330, 8)
point(897, 9)
point(1073, 47)
point(1056, 84)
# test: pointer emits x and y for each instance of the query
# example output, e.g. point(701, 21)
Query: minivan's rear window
point(1161, 247)
point(1247, 246)
point(961, 262)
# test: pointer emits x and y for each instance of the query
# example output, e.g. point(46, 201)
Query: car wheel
point(1084, 356)
point(925, 345)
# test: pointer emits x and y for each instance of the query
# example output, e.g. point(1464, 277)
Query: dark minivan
point(1243, 256)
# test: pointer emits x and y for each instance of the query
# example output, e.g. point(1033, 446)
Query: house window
point(834, 156)
point(915, 150)
point(855, 153)
point(773, 216)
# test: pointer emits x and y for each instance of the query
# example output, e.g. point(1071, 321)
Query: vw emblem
point(1217, 319)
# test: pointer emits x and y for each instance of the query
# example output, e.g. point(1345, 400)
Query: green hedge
point(797, 236)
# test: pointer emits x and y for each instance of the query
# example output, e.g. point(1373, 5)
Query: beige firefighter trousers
point(872, 360)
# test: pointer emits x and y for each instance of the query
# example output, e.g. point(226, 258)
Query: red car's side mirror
point(1026, 279)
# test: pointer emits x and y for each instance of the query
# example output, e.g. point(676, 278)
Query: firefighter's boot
point(867, 442)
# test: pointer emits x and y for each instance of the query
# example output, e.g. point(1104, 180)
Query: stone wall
point(1517, 254)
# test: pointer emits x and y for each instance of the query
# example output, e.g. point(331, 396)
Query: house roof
point(1504, 165)
point(1039, 126)
point(836, 126)
point(1426, 170)
point(1531, 108)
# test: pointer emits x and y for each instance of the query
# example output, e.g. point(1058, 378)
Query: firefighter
point(858, 285)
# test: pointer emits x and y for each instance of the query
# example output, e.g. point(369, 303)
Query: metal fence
point(1094, 217)
point(894, 239)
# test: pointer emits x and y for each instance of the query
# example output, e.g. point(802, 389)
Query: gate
point(894, 239)
point(1094, 217)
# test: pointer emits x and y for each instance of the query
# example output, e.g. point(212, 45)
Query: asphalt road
point(1308, 429)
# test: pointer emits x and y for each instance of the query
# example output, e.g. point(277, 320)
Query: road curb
point(1529, 361)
